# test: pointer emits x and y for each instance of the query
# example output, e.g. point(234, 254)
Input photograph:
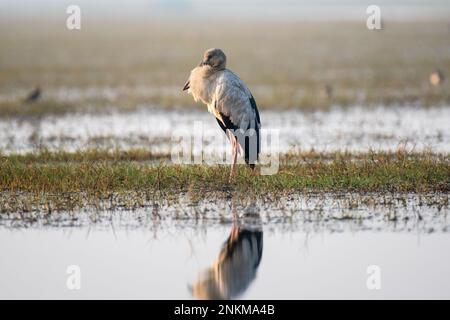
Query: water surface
point(303, 251)
point(352, 129)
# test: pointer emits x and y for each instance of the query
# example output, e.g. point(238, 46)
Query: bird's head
point(215, 58)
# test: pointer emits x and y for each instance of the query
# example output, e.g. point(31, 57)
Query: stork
point(231, 102)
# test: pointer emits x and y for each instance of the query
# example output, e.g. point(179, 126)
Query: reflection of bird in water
point(34, 95)
point(436, 77)
point(235, 268)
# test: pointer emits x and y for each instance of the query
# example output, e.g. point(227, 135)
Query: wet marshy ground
point(355, 129)
point(316, 246)
point(133, 244)
point(319, 246)
point(331, 212)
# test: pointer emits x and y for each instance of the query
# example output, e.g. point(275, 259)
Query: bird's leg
point(234, 212)
point(235, 227)
point(234, 157)
point(234, 231)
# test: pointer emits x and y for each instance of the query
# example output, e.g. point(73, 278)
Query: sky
point(243, 9)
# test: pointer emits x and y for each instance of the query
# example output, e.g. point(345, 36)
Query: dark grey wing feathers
point(228, 124)
point(254, 106)
point(221, 125)
point(250, 141)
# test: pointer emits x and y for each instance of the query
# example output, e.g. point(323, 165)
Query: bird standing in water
point(231, 102)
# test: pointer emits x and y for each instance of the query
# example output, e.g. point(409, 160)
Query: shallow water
point(166, 265)
point(318, 247)
point(353, 129)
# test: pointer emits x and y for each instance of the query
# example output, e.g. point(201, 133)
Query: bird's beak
point(186, 86)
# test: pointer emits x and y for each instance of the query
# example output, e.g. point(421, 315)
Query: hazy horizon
point(306, 10)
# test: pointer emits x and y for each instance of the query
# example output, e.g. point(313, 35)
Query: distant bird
point(231, 102)
point(326, 91)
point(34, 95)
point(436, 77)
point(235, 268)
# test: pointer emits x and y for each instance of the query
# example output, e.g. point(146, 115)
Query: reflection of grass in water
point(285, 64)
point(98, 174)
point(393, 211)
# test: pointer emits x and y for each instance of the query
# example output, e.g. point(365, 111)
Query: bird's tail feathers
point(250, 143)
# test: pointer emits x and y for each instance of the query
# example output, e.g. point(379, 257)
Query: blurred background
point(293, 54)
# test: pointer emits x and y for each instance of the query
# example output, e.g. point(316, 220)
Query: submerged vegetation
point(53, 178)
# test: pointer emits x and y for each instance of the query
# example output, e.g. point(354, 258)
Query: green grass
point(86, 156)
point(61, 181)
point(96, 175)
point(45, 156)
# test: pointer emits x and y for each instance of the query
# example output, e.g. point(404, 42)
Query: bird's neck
point(208, 71)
